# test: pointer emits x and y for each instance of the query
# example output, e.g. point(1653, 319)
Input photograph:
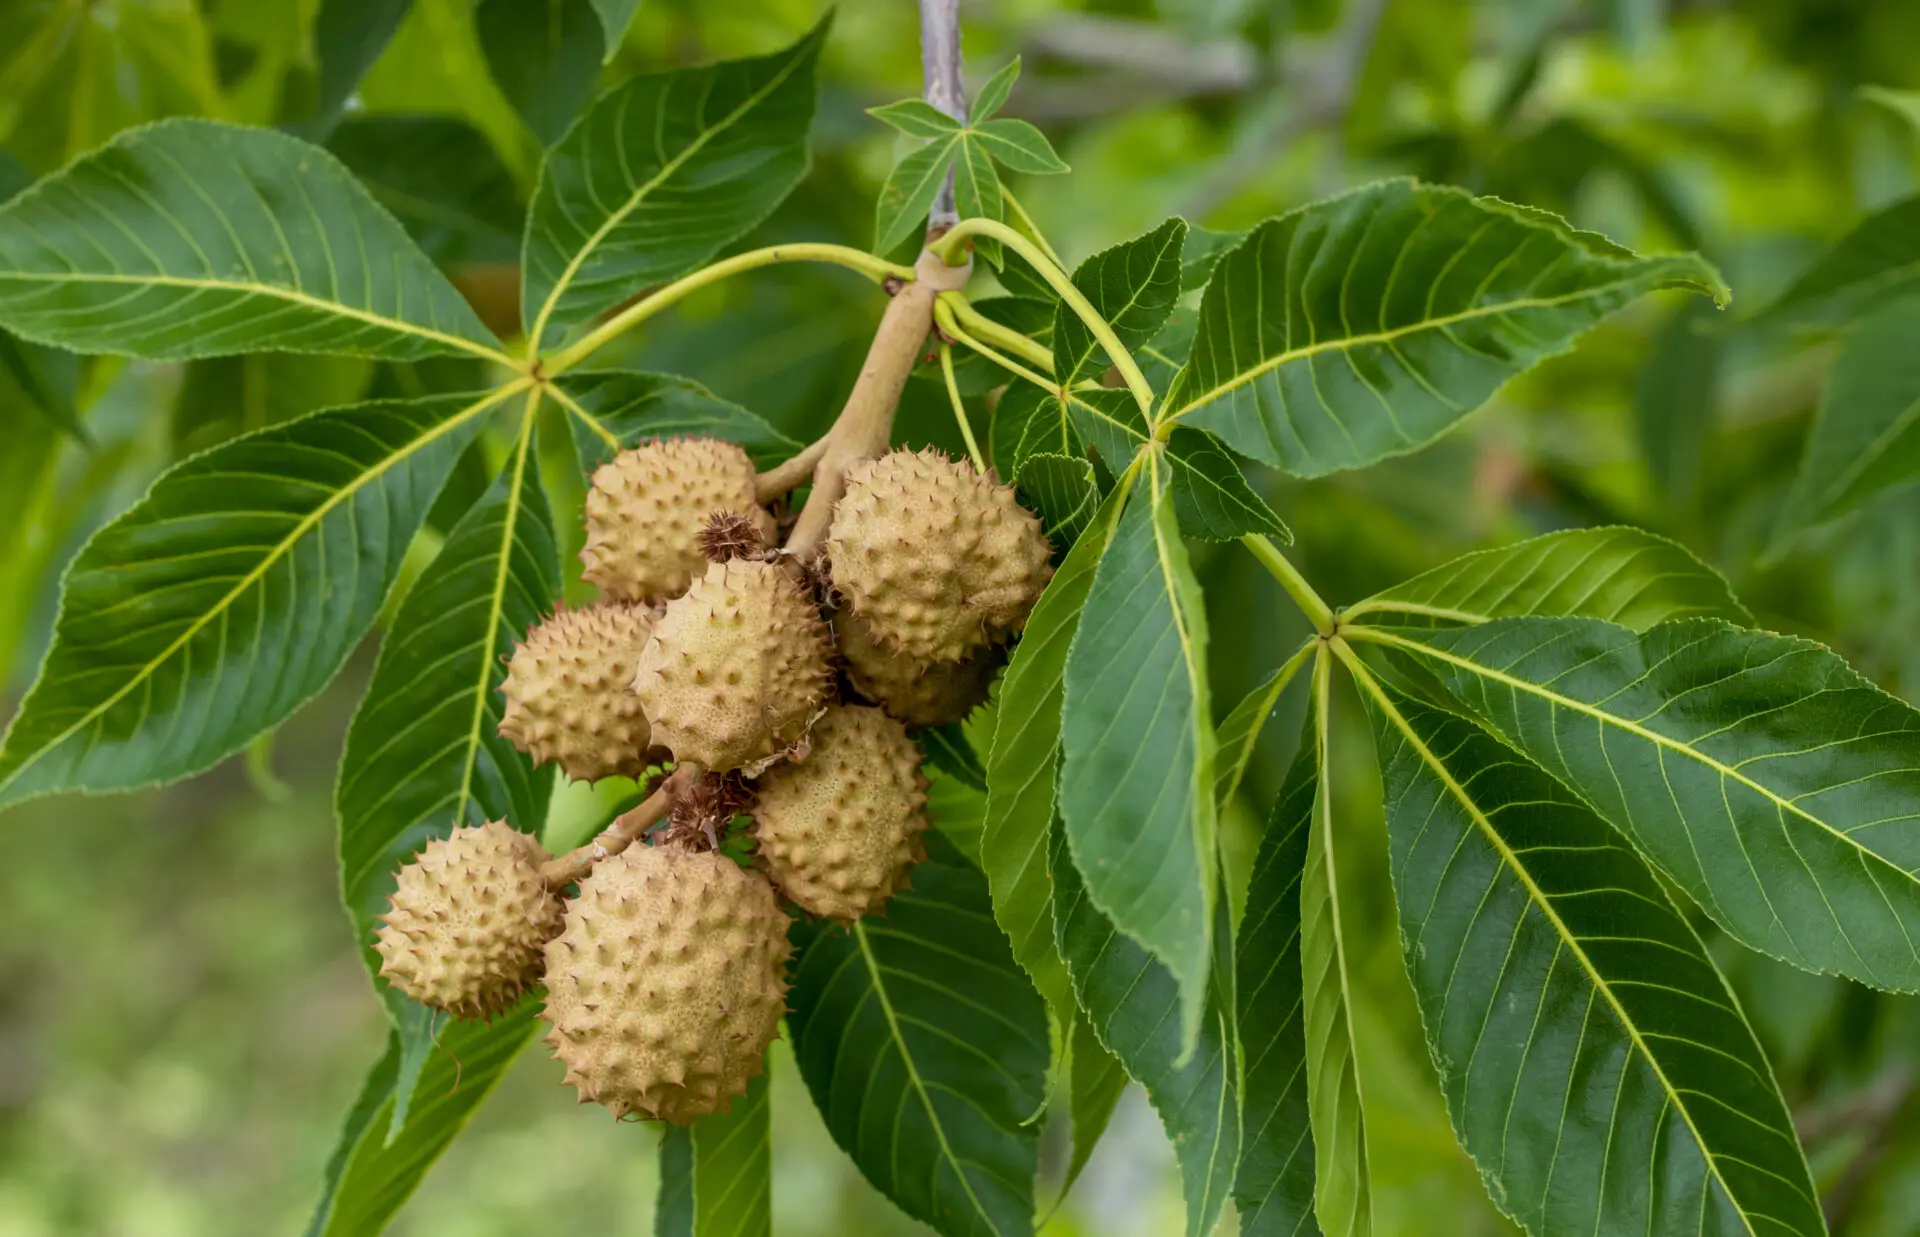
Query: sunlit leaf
point(229, 595)
point(1594, 1063)
point(1365, 325)
point(189, 238)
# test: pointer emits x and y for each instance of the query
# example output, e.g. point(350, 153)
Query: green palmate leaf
point(1142, 830)
point(424, 752)
point(909, 192)
point(1062, 490)
point(1211, 495)
point(1365, 325)
point(1876, 263)
point(716, 1175)
point(1774, 785)
point(1594, 1063)
point(611, 409)
point(441, 178)
point(1622, 575)
point(230, 594)
point(977, 192)
point(1023, 766)
point(1866, 436)
point(1133, 1007)
point(1343, 1176)
point(189, 238)
point(658, 176)
point(916, 118)
point(994, 91)
point(1273, 1186)
point(1095, 1082)
point(926, 1051)
point(543, 54)
point(375, 1168)
point(1239, 734)
point(1030, 420)
point(615, 17)
point(1018, 147)
point(1133, 286)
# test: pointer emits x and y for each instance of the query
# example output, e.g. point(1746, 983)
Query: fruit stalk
point(623, 832)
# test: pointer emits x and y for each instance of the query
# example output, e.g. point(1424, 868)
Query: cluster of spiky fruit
point(787, 684)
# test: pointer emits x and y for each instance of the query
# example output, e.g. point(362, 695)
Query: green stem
point(1001, 336)
point(877, 269)
point(948, 246)
point(960, 409)
point(944, 319)
point(1033, 229)
point(1318, 612)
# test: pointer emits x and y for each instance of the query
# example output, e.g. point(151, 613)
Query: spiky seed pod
point(569, 690)
point(736, 668)
point(919, 693)
point(646, 509)
point(839, 830)
point(468, 921)
point(937, 559)
point(668, 983)
point(729, 535)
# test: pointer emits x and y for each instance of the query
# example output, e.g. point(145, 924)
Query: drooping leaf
point(658, 176)
point(1622, 575)
point(1023, 767)
point(372, 1175)
point(1133, 286)
point(189, 238)
point(615, 408)
point(926, 1051)
point(1594, 1063)
point(1866, 436)
point(1343, 1173)
point(1134, 1007)
point(1365, 325)
point(348, 36)
point(230, 594)
point(1273, 1186)
point(716, 1175)
point(544, 55)
point(1211, 495)
point(1239, 733)
point(441, 178)
point(1873, 265)
point(615, 17)
point(1767, 779)
point(1142, 830)
point(1062, 491)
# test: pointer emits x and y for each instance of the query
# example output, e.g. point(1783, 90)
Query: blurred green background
point(183, 1020)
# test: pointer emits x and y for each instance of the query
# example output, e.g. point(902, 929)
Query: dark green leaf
point(224, 396)
point(1770, 782)
point(1133, 286)
point(441, 178)
point(659, 175)
point(229, 595)
point(189, 238)
point(613, 408)
point(1029, 421)
point(1018, 147)
point(716, 1174)
point(1134, 1007)
point(1204, 249)
point(544, 55)
point(372, 1175)
point(1594, 1063)
point(348, 36)
point(47, 378)
point(1023, 765)
point(1675, 401)
point(1062, 491)
point(909, 192)
point(1876, 263)
point(1365, 325)
point(1142, 830)
point(1273, 1187)
point(926, 1051)
point(1622, 575)
point(948, 750)
point(1866, 436)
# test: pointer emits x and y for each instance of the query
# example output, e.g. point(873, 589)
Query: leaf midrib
point(307, 523)
point(639, 195)
point(1515, 683)
point(913, 1072)
point(1540, 900)
point(292, 295)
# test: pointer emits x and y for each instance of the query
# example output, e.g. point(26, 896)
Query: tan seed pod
point(469, 919)
point(647, 507)
point(668, 982)
point(569, 691)
point(736, 669)
point(839, 830)
point(919, 693)
point(937, 559)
